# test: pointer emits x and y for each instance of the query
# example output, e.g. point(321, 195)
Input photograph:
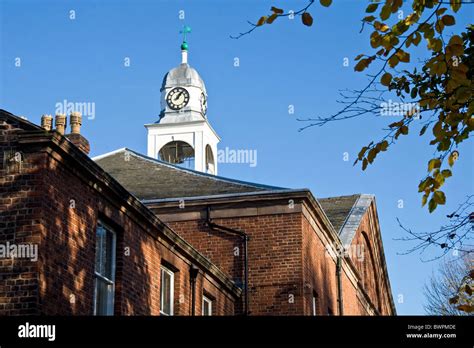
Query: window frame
point(209, 301)
point(316, 310)
point(164, 269)
point(98, 276)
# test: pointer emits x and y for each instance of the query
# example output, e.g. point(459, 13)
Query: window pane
point(104, 297)
point(206, 306)
point(99, 242)
point(108, 257)
point(105, 267)
point(166, 292)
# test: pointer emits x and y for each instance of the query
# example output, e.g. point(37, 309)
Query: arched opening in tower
point(178, 152)
point(210, 164)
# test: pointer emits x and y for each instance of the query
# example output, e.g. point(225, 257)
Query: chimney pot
point(75, 120)
point(47, 122)
point(60, 123)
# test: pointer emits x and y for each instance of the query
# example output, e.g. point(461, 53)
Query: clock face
point(177, 98)
point(203, 104)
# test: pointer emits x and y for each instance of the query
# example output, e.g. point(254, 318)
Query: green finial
point(186, 30)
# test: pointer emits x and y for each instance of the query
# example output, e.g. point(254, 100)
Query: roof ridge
point(190, 171)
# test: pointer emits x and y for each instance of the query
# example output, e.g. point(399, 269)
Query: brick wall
point(275, 269)
point(20, 212)
point(50, 202)
point(288, 258)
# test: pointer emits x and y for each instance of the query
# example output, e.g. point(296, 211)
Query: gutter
point(245, 238)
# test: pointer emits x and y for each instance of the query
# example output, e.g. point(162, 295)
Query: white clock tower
point(183, 135)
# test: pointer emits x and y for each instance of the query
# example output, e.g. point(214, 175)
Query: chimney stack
point(75, 137)
point(47, 122)
point(60, 123)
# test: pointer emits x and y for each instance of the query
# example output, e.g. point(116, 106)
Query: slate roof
point(149, 178)
point(338, 209)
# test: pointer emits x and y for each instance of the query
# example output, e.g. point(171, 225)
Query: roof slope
point(338, 209)
point(149, 178)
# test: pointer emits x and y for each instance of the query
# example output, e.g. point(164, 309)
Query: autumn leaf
point(262, 20)
point(448, 20)
point(272, 18)
point(433, 164)
point(372, 8)
point(326, 3)
point(439, 197)
point(276, 10)
point(386, 79)
point(307, 19)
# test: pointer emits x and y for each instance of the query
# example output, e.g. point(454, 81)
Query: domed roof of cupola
point(183, 75)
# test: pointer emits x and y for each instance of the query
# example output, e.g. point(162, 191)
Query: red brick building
point(128, 234)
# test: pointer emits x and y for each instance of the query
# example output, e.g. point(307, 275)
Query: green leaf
point(326, 3)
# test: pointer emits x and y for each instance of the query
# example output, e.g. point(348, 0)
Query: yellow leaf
point(439, 197)
point(403, 56)
point(423, 200)
point(433, 164)
point(453, 156)
point(393, 61)
point(455, 5)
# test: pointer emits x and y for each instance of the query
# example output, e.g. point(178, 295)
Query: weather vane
point(186, 30)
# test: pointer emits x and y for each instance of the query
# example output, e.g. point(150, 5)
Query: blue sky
point(82, 60)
